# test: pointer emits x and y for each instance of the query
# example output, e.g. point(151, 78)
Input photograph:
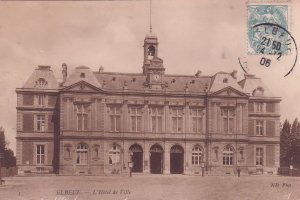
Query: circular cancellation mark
point(271, 47)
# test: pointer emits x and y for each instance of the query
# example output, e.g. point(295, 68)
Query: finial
point(150, 16)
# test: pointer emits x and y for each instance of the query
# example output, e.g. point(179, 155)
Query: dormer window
point(225, 80)
point(82, 75)
point(259, 91)
point(151, 52)
point(41, 83)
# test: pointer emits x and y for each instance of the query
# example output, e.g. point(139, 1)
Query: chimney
point(101, 69)
point(198, 74)
point(249, 75)
point(64, 72)
point(44, 67)
point(234, 74)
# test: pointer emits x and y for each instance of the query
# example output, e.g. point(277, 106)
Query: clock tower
point(153, 65)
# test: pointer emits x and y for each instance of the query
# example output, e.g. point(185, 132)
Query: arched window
point(228, 156)
point(95, 153)
point(197, 155)
point(259, 91)
point(82, 154)
point(114, 154)
point(151, 52)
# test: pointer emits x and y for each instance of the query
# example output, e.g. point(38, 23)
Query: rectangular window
point(196, 156)
point(270, 107)
point(114, 155)
point(40, 154)
point(259, 156)
point(41, 100)
point(156, 118)
point(28, 99)
point(40, 123)
point(82, 155)
point(259, 127)
point(82, 116)
point(136, 118)
point(228, 120)
point(259, 107)
point(115, 118)
point(177, 120)
point(196, 120)
point(228, 156)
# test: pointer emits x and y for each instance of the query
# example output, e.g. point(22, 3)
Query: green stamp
point(258, 42)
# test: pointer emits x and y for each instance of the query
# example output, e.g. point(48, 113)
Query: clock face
point(156, 77)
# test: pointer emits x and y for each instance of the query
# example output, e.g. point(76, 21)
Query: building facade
point(97, 122)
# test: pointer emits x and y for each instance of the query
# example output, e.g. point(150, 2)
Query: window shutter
point(270, 128)
point(251, 127)
point(270, 155)
point(28, 99)
point(251, 107)
point(28, 123)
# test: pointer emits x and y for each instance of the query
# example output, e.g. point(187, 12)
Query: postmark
point(270, 44)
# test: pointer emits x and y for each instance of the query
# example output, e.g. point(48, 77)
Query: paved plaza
point(150, 187)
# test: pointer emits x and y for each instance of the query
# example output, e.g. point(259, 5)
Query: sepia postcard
point(150, 100)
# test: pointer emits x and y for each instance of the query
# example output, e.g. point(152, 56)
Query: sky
point(206, 35)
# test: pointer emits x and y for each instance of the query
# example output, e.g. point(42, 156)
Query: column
point(166, 159)
point(146, 151)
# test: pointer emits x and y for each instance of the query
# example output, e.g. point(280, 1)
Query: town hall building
point(97, 122)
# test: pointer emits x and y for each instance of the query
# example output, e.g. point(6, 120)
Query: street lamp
point(130, 164)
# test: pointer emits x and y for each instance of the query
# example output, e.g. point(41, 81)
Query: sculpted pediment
point(82, 86)
point(229, 91)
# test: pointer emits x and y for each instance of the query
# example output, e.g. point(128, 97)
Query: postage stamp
point(258, 42)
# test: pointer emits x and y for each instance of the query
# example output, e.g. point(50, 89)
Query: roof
point(42, 78)
point(151, 35)
point(252, 84)
point(82, 73)
point(136, 82)
point(221, 80)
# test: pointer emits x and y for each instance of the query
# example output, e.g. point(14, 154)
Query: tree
point(289, 143)
point(294, 134)
point(2, 139)
point(9, 159)
point(285, 144)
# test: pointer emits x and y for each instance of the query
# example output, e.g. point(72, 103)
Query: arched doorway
point(176, 160)
point(137, 158)
point(156, 159)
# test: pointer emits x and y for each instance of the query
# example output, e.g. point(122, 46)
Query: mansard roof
point(222, 79)
point(136, 82)
point(82, 73)
point(255, 87)
point(42, 78)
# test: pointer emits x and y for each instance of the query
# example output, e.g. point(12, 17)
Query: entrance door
point(156, 159)
point(137, 158)
point(176, 160)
